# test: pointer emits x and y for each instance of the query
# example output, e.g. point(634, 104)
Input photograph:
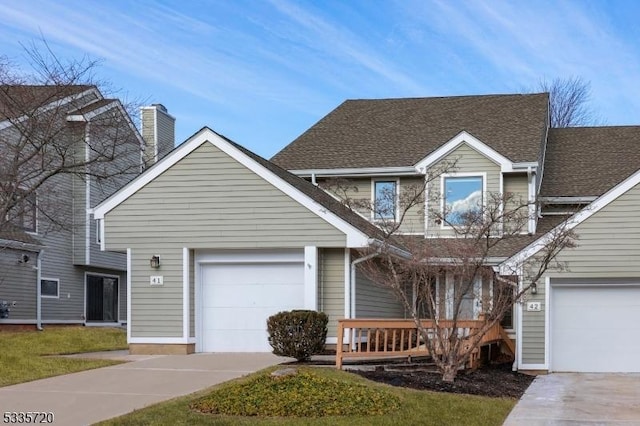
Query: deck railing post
point(339, 344)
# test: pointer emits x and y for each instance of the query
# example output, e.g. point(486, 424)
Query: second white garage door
point(595, 328)
point(237, 299)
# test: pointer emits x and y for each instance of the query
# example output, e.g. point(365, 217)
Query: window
point(98, 231)
point(49, 287)
point(23, 214)
point(385, 199)
point(462, 198)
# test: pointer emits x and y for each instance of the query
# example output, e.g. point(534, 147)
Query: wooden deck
point(380, 338)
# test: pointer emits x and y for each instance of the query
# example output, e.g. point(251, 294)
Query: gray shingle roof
point(16, 100)
point(588, 161)
point(400, 132)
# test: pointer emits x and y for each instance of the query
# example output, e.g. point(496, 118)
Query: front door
point(102, 298)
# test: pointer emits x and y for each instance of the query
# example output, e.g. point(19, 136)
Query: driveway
point(579, 399)
point(91, 396)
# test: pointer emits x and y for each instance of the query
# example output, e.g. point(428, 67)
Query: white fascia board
point(353, 172)
point(584, 214)
point(91, 114)
point(505, 164)
point(355, 238)
point(115, 104)
point(150, 174)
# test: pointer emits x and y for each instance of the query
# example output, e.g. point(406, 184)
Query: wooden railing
point(376, 338)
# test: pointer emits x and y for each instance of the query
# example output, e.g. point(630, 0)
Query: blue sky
point(262, 72)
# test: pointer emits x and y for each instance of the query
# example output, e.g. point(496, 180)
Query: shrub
point(297, 334)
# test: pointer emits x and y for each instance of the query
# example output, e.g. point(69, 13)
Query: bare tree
point(437, 280)
point(55, 125)
point(569, 101)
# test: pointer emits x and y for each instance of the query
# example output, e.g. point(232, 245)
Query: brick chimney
point(158, 132)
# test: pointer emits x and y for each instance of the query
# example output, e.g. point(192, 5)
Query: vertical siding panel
point(331, 287)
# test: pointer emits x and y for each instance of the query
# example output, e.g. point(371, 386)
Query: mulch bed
point(495, 380)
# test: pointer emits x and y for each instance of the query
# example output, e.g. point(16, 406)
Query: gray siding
point(18, 283)
point(331, 286)
point(208, 200)
point(516, 191)
point(414, 219)
point(607, 248)
point(467, 160)
point(375, 301)
point(156, 311)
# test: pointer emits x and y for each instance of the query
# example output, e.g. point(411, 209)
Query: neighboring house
point(53, 271)
point(218, 238)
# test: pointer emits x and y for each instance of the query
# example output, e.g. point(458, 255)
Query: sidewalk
point(94, 395)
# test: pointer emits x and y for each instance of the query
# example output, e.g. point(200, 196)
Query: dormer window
point(385, 201)
point(462, 198)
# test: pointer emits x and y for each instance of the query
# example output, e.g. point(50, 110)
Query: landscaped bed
point(495, 380)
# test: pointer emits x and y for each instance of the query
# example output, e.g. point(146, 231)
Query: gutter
point(38, 269)
point(352, 281)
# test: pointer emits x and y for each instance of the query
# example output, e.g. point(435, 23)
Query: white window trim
point(396, 181)
point(44, 296)
point(443, 197)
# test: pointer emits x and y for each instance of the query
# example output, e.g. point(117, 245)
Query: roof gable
point(357, 229)
point(464, 138)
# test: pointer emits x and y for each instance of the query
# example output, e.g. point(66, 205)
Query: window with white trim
point(98, 231)
point(385, 199)
point(24, 212)
point(50, 287)
point(462, 198)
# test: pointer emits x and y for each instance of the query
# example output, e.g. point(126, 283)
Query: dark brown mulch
point(492, 380)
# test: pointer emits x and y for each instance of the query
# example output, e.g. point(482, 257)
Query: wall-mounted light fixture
point(24, 258)
point(534, 288)
point(155, 261)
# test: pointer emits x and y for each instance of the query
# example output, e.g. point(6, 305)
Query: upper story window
point(24, 212)
point(462, 198)
point(385, 199)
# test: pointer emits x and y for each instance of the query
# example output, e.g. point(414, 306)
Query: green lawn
point(24, 355)
point(414, 408)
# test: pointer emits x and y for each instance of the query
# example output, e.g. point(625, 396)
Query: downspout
point(38, 269)
point(352, 281)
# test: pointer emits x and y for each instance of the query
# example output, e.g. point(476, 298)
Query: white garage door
point(237, 299)
point(595, 328)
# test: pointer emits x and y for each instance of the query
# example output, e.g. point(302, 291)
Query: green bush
point(297, 334)
point(304, 394)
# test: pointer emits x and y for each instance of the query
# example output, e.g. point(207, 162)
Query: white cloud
point(472, 202)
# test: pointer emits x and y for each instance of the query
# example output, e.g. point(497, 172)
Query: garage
point(595, 327)
point(240, 291)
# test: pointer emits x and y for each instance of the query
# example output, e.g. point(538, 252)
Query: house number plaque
point(534, 306)
point(156, 280)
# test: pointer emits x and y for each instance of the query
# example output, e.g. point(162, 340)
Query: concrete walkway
point(579, 399)
point(94, 395)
